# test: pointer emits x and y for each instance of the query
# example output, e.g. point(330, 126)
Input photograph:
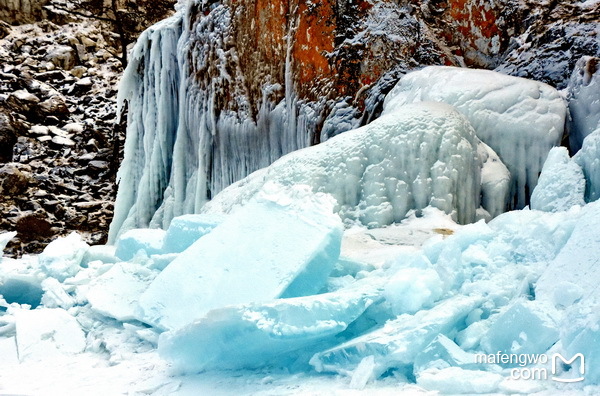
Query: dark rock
point(33, 226)
point(8, 136)
point(54, 106)
point(12, 180)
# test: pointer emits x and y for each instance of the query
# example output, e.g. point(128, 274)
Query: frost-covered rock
point(61, 259)
point(584, 101)
point(257, 334)
point(43, 333)
point(561, 185)
point(149, 240)
point(519, 119)
point(5, 237)
point(187, 229)
point(284, 244)
point(422, 154)
point(588, 158)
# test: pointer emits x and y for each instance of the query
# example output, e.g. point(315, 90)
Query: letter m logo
point(557, 356)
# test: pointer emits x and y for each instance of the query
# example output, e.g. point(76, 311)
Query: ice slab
point(254, 335)
point(103, 253)
point(589, 160)
point(575, 272)
point(424, 154)
point(519, 119)
point(399, 341)
point(61, 259)
point(46, 332)
point(584, 101)
point(116, 292)
point(561, 185)
point(526, 327)
point(277, 246)
point(442, 353)
point(187, 229)
point(132, 241)
point(21, 289)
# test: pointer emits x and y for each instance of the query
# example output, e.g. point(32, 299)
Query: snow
point(284, 244)
point(420, 155)
point(519, 119)
point(561, 185)
point(584, 101)
point(46, 332)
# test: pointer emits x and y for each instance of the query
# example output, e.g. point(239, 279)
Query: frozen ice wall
point(584, 101)
point(520, 119)
point(423, 154)
point(190, 137)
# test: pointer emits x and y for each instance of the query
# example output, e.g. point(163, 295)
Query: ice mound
point(47, 332)
point(589, 160)
point(423, 154)
point(561, 184)
point(519, 119)
point(187, 229)
point(256, 334)
point(61, 259)
point(279, 245)
point(584, 101)
point(132, 241)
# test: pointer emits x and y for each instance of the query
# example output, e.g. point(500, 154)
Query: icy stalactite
point(188, 136)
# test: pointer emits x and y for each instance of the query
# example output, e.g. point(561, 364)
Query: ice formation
point(273, 247)
point(131, 242)
point(584, 101)
point(519, 119)
point(561, 184)
point(589, 160)
point(62, 257)
point(422, 154)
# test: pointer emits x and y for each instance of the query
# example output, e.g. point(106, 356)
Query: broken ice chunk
point(441, 353)
point(561, 185)
point(397, 344)
point(187, 229)
point(116, 292)
point(526, 327)
point(268, 249)
point(412, 289)
point(46, 332)
point(55, 295)
point(256, 334)
point(131, 242)
point(21, 289)
point(61, 259)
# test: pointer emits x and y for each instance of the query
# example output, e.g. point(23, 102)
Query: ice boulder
point(42, 333)
point(584, 101)
point(519, 119)
point(525, 327)
point(283, 244)
point(423, 154)
point(21, 289)
point(589, 160)
point(253, 335)
point(187, 229)
point(132, 241)
point(399, 341)
point(561, 185)
point(61, 259)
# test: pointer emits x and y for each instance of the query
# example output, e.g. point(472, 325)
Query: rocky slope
point(57, 126)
